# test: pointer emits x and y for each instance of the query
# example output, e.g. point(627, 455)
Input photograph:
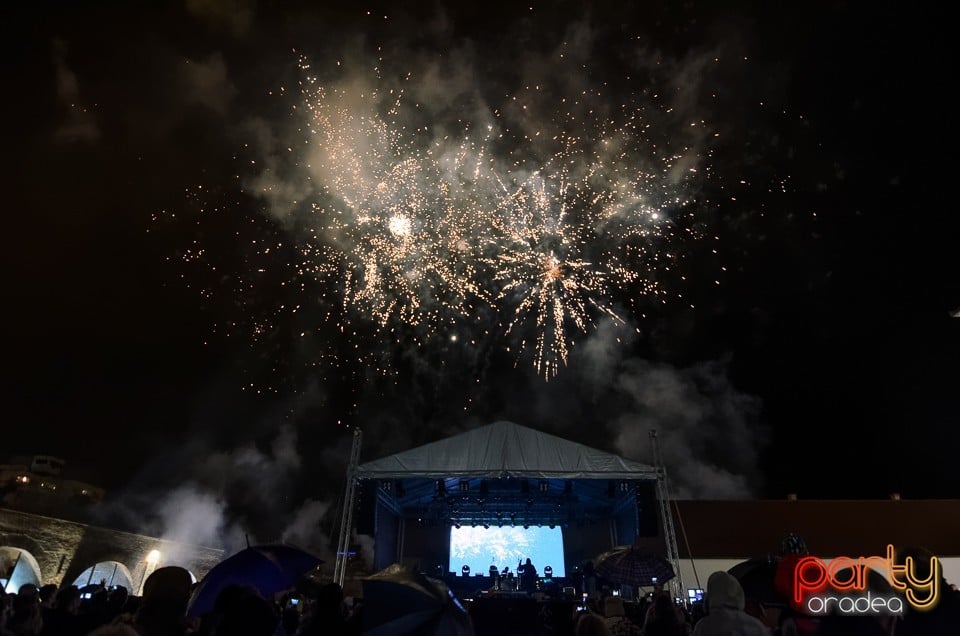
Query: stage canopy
point(505, 474)
point(505, 449)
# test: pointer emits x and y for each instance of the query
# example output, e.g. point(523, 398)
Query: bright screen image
point(505, 547)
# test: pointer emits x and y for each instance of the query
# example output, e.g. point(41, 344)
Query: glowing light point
point(552, 268)
point(400, 225)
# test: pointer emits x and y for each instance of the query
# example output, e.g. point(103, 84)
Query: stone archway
point(18, 567)
point(110, 573)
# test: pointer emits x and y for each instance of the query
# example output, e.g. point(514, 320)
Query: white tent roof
point(505, 449)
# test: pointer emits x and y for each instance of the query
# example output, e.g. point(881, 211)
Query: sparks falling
point(545, 213)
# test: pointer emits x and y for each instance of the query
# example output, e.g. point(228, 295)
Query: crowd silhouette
point(312, 608)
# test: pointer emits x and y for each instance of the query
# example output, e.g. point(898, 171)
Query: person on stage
point(528, 577)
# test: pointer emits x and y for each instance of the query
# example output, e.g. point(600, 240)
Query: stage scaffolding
point(666, 518)
point(517, 463)
point(346, 516)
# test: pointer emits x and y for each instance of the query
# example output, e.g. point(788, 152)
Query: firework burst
point(577, 238)
point(536, 223)
point(386, 205)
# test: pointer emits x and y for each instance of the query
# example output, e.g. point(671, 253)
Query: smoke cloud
point(235, 16)
point(227, 498)
point(79, 123)
point(303, 529)
point(207, 82)
point(711, 434)
point(189, 515)
point(708, 431)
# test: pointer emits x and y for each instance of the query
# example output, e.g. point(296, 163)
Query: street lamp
point(150, 563)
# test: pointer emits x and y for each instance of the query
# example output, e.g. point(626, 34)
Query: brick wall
point(64, 549)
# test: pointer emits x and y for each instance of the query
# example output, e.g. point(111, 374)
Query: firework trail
point(546, 216)
point(571, 240)
point(405, 238)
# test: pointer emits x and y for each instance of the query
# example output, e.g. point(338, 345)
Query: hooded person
point(725, 615)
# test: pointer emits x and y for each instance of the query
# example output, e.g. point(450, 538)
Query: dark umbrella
point(399, 601)
point(266, 568)
point(626, 565)
point(757, 577)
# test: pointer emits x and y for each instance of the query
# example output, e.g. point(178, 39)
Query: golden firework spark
point(547, 224)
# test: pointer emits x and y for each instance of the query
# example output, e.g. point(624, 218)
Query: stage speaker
point(648, 511)
point(365, 514)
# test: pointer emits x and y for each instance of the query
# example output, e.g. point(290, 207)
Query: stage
point(487, 500)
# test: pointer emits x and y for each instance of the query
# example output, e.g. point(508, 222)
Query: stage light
point(552, 526)
point(526, 527)
point(486, 526)
point(464, 485)
point(544, 485)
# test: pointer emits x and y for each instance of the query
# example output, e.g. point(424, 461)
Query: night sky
point(806, 344)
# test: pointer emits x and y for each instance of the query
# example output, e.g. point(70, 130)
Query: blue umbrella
point(266, 568)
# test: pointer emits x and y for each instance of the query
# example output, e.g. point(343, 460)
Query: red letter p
point(810, 575)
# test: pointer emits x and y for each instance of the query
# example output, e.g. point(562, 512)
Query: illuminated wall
point(64, 549)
